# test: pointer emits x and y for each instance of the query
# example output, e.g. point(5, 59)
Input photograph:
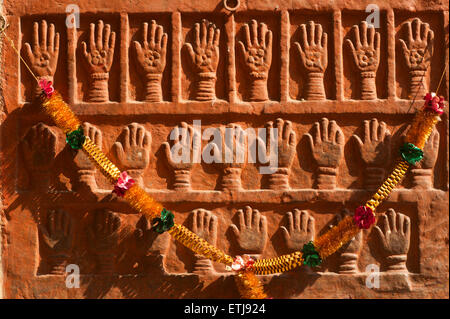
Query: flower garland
point(312, 254)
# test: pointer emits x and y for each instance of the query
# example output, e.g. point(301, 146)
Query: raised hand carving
point(133, 150)
point(186, 146)
point(375, 151)
point(231, 156)
point(151, 57)
point(422, 174)
point(204, 224)
point(300, 229)
point(366, 55)
point(286, 152)
point(39, 151)
point(85, 168)
point(251, 235)
point(314, 56)
point(327, 147)
point(349, 253)
point(257, 53)
point(394, 235)
point(99, 60)
point(43, 56)
point(205, 58)
point(152, 245)
point(104, 237)
point(417, 52)
point(57, 235)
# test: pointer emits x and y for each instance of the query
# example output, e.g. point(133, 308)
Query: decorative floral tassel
point(199, 245)
point(249, 286)
point(142, 202)
point(336, 237)
point(421, 128)
point(61, 113)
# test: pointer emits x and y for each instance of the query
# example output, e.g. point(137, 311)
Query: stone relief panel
point(338, 90)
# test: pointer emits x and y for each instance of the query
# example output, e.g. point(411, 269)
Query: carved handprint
point(151, 244)
point(349, 253)
point(366, 55)
point(375, 150)
point(57, 234)
point(43, 56)
point(422, 172)
point(251, 235)
point(204, 224)
point(151, 57)
point(86, 169)
point(257, 53)
point(286, 143)
point(39, 151)
point(99, 59)
point(327, 147)
point(104, 236)
point(133, 150)
point(231, 156)
point(204, 56)
point(395, 238)
point(417, 52)
point(181, 156)
point(314, 56)
point(300, 229)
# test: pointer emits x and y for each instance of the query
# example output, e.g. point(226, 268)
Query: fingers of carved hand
point(58, 232)
point(326, 142)
point(106, 227)
point(252, 232)
point(286, 140)
point(204, 224)
point(93, 133)
point(101, 47)
point(430, 151)
point(43, 55)
point(184, 146)
point(257, 50)
point(204, 53)
point(418, 47)
point(152, 57)
point(300, 229)
point(366, 47)
point(374, 146)
point(313, 47)
point(395, 232)
point(133, 151)
point(39, 146)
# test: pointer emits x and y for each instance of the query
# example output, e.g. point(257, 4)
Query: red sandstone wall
point(59, 210)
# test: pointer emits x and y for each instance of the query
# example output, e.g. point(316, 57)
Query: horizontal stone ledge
point(342, 196)
point(111, 109)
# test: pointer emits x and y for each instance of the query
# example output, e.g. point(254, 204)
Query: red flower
point(47, 87)
point(434, 103)
point(124, 182)
point(240, 263)
point(364, 217)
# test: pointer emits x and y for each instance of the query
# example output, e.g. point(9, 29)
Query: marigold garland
point(246, 280)
point(249, 286)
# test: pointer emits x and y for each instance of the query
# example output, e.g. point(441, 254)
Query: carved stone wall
point(339, 91)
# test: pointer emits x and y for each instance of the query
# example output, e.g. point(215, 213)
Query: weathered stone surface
point(338, 90)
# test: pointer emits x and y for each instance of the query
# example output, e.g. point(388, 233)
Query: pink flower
point(47, 87)
point(240, 263)
point(124, 182)
point(364, 217)
point(434, 103)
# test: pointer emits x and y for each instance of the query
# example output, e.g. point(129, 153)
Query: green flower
point(310, 256)
point(76, 138)
point(165, 222)
point(411, 153)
